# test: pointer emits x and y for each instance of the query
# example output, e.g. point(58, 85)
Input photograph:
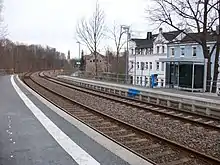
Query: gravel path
point(193, 136)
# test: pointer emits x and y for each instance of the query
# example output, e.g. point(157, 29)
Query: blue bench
point(133, 92)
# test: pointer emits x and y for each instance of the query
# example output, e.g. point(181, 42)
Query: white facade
point(151, 66)
point(148, 52)
point(149, 57)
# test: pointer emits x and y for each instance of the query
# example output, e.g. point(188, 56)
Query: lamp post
point(126, 28)
point(79, 49)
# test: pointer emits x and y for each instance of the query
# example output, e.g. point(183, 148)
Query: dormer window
point(136, 51)
point(146, 51)
point(208, 49)
point(158, 49)
point(142, 51)
point(139, 51)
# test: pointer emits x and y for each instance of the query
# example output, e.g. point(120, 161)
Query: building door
point(186, 75)
point(131, 80)
point(174, 74)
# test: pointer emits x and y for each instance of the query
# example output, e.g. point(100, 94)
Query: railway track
point(193, 135)
point(143, 143)
point(189, 117)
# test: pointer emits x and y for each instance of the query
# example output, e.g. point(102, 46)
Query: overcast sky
point(53, 22)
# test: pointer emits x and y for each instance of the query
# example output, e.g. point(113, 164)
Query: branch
point(91, 31)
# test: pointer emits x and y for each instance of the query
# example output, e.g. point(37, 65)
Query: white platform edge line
point(77, 153)
point(121, 152)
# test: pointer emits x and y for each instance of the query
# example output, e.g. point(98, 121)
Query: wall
point(154, 58)
point(188, 52)
point(90, 64)
point(147, 72)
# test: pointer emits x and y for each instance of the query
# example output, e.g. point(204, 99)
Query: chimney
point(149, 35)
point(160, 30)
point(68, 56)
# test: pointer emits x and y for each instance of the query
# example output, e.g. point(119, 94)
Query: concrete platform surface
point(164, 91)
point(34, 132)
point(205, 95)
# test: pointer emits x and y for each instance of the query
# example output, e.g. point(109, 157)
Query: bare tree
point(200, 15)
point(18, 57)
point(116, 35)
point(3, 29)
point(91, 31)
point(216, 64)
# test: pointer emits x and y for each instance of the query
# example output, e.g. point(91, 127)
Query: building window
point(158, 49)
point(194, 52)
point(137, 80)
point(142, 51)
point(172, 52)
point(162, 82)
point(136, 51)
point(139, 51)
point(151, 50)
point(132, 64)
point(146, 51)
point(208, 49)
point(151, 67)
point(100, 61)
point(142, 65)
point(162, 66)
point(138, 66)
point(158, 65)
point(163, 49)
point(182, 52)
point(146, 80)
point(146, 65)
point(93, 60)
point(132, 51)
point(90, 60)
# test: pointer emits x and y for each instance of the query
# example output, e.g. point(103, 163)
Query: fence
point(139, 80)
point(6, 71)
point(213, 86)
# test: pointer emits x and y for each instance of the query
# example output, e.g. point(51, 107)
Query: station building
point(186, 67)
point(144, 55)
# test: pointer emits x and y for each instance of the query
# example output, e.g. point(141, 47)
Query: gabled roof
point(89, 56)
point(143, 43)
point(148, 43)
point(189, 38)
point(169, 36)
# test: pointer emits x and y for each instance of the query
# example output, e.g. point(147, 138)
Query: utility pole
point(79, 49)
point(127, 28)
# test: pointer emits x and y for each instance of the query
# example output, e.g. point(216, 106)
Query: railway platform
point(205, 103)
point(33, 131)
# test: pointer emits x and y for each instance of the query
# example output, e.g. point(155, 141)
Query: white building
point(144, 56)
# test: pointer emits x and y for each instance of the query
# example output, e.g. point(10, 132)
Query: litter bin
point(153, 81)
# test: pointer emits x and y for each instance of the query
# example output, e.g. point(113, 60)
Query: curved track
point(145, 144)
point(189, 117)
